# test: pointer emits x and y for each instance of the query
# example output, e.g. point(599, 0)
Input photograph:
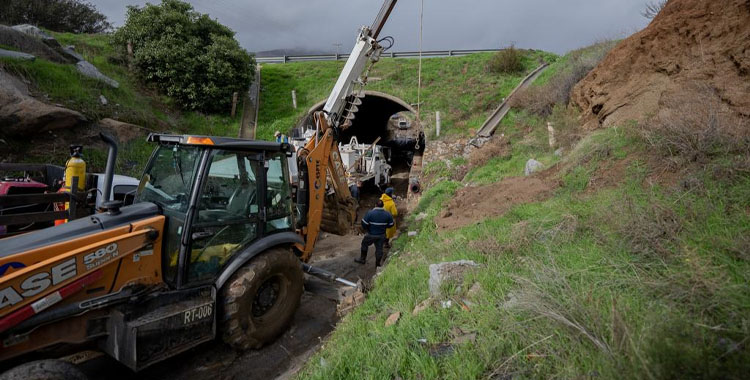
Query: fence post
point(551, 131)
point(285, 59)
point(130, 55)
point(234, 103)
point(437, 123)
point(294, 99)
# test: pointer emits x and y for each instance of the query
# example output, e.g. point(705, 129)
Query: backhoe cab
point(206, 247)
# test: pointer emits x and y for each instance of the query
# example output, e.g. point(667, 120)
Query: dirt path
point(314, 320)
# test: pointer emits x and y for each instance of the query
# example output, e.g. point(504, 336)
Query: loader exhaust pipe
point(109, 172)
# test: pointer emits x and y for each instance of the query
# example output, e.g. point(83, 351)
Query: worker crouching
point(375, 223)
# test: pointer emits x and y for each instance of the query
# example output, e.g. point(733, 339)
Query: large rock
point(32, 31)
point(448, 272)
point(16, 55)
point(89, 70)
point(691, 42)
point(532, 166)
point(125, 131)
point(22, 115)
point(29, 43)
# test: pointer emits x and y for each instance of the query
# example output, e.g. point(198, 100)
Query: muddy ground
point(314, 320)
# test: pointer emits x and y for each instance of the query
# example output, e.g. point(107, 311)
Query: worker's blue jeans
point(369, 240)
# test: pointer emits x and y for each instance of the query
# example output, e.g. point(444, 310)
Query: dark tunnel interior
point(371, 121)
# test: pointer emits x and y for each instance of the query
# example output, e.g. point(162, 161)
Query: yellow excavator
point(214, 245)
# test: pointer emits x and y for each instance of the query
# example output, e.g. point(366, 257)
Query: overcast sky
point(552, 25)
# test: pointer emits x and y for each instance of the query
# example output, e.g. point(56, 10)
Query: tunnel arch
point(371, 121)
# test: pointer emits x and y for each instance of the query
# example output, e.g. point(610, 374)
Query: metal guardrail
point(402, 54)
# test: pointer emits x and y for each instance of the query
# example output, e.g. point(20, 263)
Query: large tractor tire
point(259, 300)
point(44, 370)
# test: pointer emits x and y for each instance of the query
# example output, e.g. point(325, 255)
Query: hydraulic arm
point(320, 156)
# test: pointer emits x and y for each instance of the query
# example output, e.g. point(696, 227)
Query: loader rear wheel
point(44, 370)
point(259, 300)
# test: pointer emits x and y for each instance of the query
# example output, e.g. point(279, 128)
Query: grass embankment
point(636, 267)
point(131, 102)
point(461, 88)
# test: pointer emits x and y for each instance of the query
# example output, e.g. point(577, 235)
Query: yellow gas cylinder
point(74, 168)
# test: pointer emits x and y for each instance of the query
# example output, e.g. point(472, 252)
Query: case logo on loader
point(38, 282)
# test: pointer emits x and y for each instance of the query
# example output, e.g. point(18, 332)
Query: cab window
point(278, 194)
point(227, 215)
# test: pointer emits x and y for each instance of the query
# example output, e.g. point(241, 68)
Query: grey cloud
point(553, 25)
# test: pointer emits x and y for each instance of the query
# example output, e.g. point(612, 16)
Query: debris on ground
point(446, 304)
point(350, 298)
point(422, 306)
point(448, 272)
point(421, 216)
point(532, 166)
point(412, 233)
point(392, 319)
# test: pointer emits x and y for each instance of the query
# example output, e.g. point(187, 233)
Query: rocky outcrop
point(31, 44)
point(89, 70)
point(22, 115)
point(691, 42)
point(124, 131)
point(16, 55)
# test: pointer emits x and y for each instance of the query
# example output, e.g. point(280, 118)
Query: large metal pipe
point(109, 172)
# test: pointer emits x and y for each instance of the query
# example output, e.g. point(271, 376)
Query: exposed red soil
point(476, 203)
point(690, 42)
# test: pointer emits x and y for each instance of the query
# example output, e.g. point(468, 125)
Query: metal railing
point(402, 54)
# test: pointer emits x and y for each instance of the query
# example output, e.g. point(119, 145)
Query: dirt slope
point(690, 42)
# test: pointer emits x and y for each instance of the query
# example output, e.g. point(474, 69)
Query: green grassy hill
point(635, 266)
point(461, 88)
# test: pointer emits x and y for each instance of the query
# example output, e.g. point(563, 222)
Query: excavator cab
point(206, 250)
point(218, 196)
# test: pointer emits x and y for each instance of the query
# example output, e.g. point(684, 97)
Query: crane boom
point(342, 103)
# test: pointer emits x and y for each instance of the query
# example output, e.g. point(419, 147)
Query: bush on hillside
point(653, 8)
point(192, 58)
point(541, 100)
point(75, 16)
point(507, 61)
point(697, 127)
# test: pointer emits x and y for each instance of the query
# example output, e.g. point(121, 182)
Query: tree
point(74, 16)
point(653, 8)
point(193, 58)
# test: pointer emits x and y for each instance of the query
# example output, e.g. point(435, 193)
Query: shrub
point(541, 100)
point(507, 61)
point(653, 8)
point(695, 126)
point(75, 16)
point(193, 58)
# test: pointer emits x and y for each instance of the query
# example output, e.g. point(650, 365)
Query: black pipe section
point(109, 173)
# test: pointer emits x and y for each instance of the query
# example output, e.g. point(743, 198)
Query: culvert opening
point(393, 121)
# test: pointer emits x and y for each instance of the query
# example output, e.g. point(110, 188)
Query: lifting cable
point(419, 72)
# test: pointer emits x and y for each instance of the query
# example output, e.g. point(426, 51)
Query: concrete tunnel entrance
point(375, 119)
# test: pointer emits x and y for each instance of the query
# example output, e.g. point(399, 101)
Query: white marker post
point(294, 99)
point(437, 123)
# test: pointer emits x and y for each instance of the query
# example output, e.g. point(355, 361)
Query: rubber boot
point(361, 260)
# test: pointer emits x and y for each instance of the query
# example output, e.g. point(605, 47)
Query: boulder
point(71, 53)
point(89, 70)
point(22, 115)
point(30, 44)
point(125, 131)
point(448, 272)
point(32, 31)
point(532, 166)
point(16, 55)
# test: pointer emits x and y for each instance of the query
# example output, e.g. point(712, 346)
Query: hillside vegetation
point(635, 264)
point(131, 102)
point(464, 103)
